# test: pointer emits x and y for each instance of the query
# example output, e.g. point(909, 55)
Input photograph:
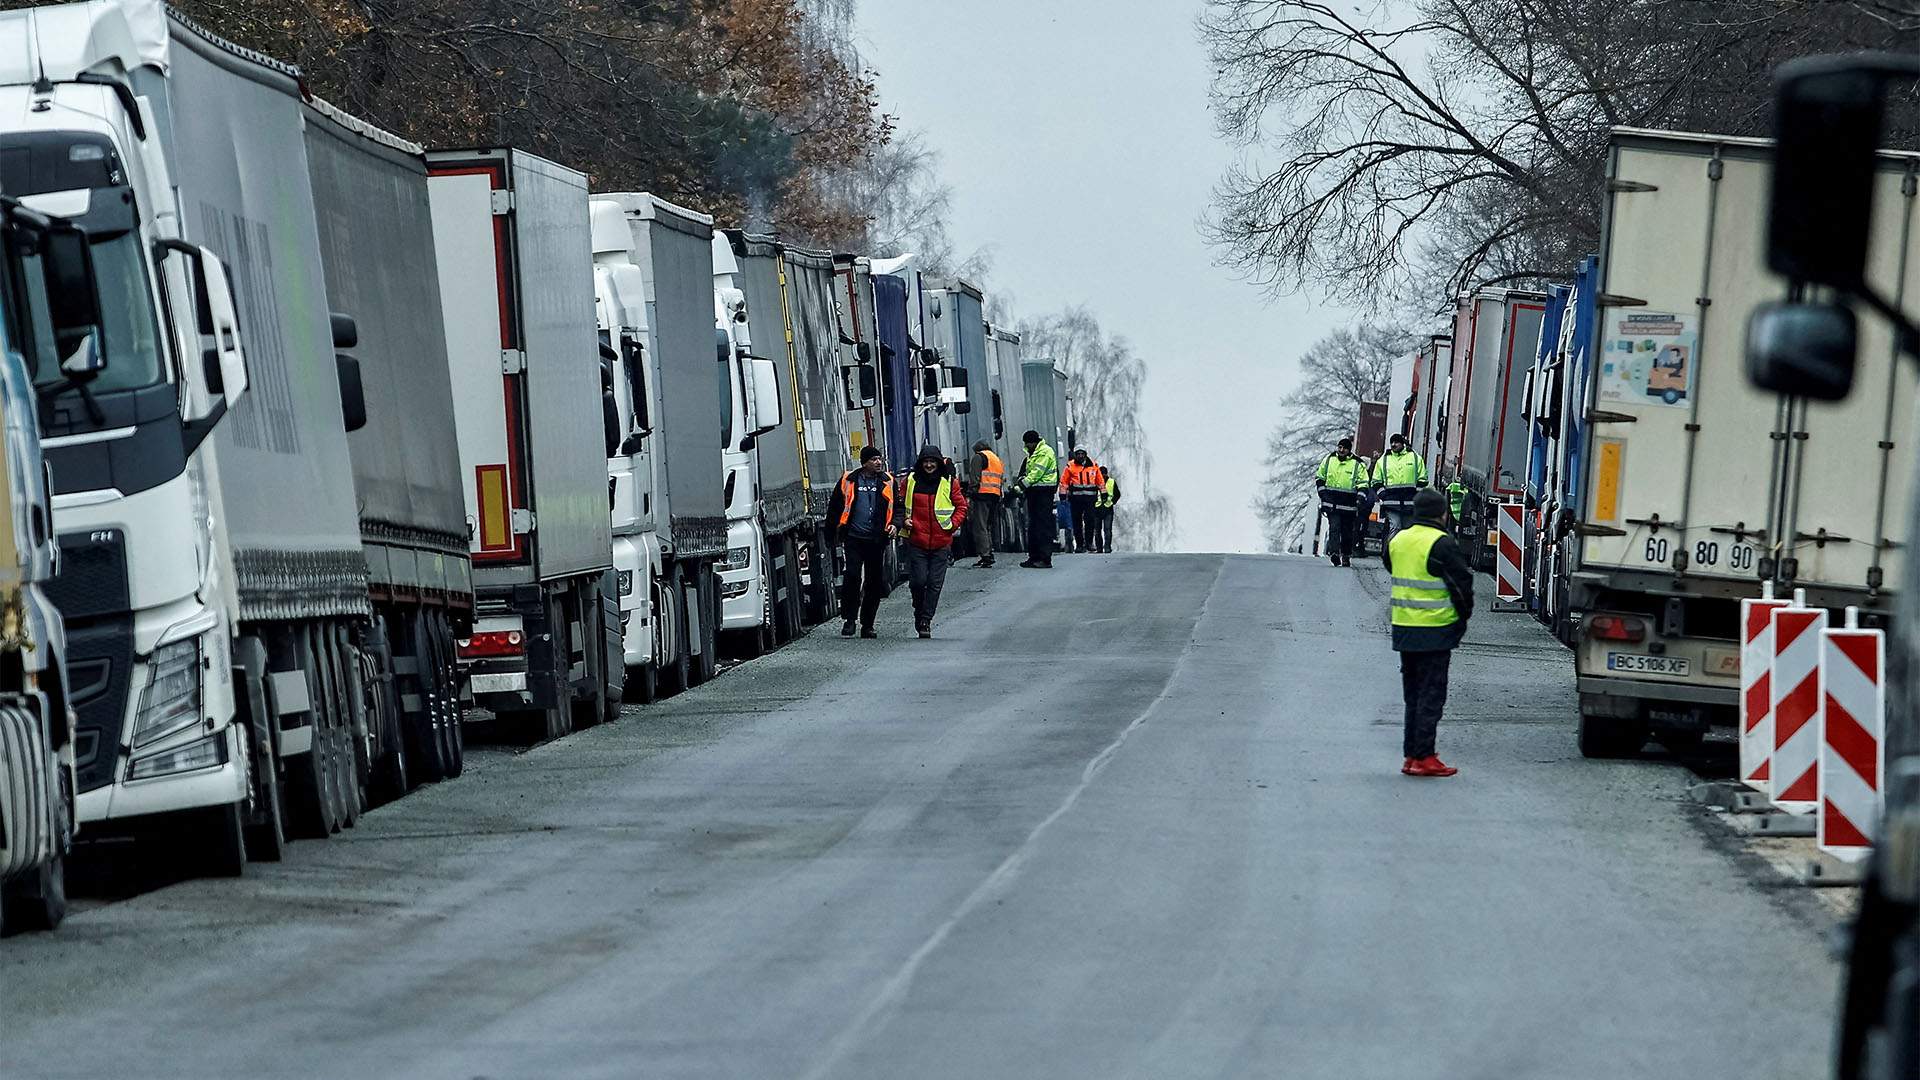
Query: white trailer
point(1696, 486)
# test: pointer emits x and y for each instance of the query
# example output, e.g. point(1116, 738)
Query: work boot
point(924, 627)
point(868, 632)
point(846, 628)
point(1431, 765)
point(1031, 565)
point(983, 564)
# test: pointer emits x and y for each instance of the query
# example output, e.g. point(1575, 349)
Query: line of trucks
point(1657, 487)
point(315, 437)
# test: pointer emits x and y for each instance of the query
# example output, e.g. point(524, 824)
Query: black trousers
point(926, 576)
point(1083, 512)
point(1103, 536)
point(865, 583)
point(1423, 680)
point(1342, 525)
point(1040, 525)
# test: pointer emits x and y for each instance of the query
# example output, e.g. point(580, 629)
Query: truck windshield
point(131, 337)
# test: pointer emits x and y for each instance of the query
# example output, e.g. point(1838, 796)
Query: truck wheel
point(592, 709)
point(706, 594)
point(36, 901)
point(643, 685)
point(675, 674)
point(792, 611)
point(451, 736)
point(212, 842)
point(266, 838)
point(1610, 737)
point(767, 638)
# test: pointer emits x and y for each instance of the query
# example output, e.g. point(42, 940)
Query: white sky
point(1077, 140)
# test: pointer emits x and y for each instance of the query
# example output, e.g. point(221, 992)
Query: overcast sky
point(1076, 137)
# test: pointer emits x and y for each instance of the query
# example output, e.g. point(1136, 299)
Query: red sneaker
point(1431, 765)
point(1406, 767)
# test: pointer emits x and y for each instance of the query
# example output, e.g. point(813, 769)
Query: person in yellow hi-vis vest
point(933, 510)
point(1340, 479)
point(1432, 599)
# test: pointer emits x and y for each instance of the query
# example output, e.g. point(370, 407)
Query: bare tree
point(1108, 380)
point(1428, 145)
point(1339, 371)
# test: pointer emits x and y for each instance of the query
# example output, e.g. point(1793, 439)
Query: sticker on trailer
point(1648, 358)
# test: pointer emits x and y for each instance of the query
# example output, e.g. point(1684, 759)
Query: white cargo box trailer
point(1697, 487)
point(515, 254)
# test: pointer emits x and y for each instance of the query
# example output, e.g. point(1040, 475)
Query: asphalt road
point(1137, 817)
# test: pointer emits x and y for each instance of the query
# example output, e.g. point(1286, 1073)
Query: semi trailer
point(753, 585)
point(51, 333)
point(1696, 487)
point(511, 233)
point(820, 416)
point(213, 572)
point(1484, 453)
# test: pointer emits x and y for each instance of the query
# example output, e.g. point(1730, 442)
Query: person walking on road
point(1432, 599)
point(1397, 476)
point(1340, 480)
point(932, 511)
point(1081, 483)
point(1103, 512)
point(1039, 476)
point(991, 475)
point(862, 514)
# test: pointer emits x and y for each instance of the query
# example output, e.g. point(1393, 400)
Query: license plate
point(1642, 664)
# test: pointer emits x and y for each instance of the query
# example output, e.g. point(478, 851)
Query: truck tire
point(390, 780)
point(218, 841)
point(447, 697)
point(592, 709)
point(266, 837)
point(793, 610)
point(312, 791)
point(674, 676)
point(706, 593)
point(422, 727)
point(643, 685)
point(37, 900)
point(1610, 737)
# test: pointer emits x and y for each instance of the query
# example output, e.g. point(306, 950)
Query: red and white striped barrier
point(1508, 589)
point(1853, 681)
point(1756, 688)
point(1794, 775)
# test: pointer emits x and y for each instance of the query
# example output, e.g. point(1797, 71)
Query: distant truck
point(511, 232)
point(1485, 447)
point(1427, 408)
point(754, 584)
point(51, 332)
point(1556, 419)
point(1695, 487)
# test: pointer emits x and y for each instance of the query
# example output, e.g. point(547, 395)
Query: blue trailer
point(1559, 430)
point(896, 370)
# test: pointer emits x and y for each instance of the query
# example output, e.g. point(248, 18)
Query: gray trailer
point(376, 242)
point(814, 328)
point(515, 258)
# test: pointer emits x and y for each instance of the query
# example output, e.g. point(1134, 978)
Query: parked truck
point(1484, 453)
point(512, 236)
point(1698, 487)
point(213, 574)
point(753, 583)
point(376, 241)
point(892, 328)
point(1557, 421)
point(818, 360)
point(1426, 421)
point(51, 333)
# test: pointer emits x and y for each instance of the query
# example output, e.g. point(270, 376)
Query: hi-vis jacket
point(1042, 469)
point(1404, 469)
point(1109, 494)
point(1432, 594)
point(1083, 479)
point(1348, 475)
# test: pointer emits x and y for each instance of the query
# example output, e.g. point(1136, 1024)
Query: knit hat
point(1429, 504)
point(868, 453)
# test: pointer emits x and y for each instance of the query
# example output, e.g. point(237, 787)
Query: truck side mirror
point(346, 332)
point(929, 384)
point(962, 408)
point(863, 386)
point(216, 384)
point(1807, 350)
point(864, 351)
point(1827, 121)
point(766, 396)
point(67, 258)
point(353, 399)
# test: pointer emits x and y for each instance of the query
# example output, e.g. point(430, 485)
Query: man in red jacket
point(932, 511)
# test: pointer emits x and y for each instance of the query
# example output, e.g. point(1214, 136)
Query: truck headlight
point(171, 701)
point(626, 583)
point(737, 558)
point(731, 589)
point(200, 754)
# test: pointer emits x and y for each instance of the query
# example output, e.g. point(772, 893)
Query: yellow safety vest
point(1419, 597)
point(942, 500)
point(1107, 493)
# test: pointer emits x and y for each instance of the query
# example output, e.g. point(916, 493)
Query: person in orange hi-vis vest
point(990, 478)
point(1081, 482)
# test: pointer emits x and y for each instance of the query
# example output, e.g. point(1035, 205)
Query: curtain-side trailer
point(512, 235)
point(376, 245)
point(1009, 407)
point(1431, 366)
point(813, 326)
point(1484, 455)
point(896, 368)
point(1694, 486)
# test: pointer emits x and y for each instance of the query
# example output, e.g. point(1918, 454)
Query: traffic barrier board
point(1508, 584)
point(1756, 689)
point(1853, 680)
point(1794, 775)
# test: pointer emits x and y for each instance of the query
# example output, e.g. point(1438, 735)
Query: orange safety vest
point(846, 500)
point(993, 475)
point(1082, 479)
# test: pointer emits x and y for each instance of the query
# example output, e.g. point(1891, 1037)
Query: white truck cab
point(746, 580)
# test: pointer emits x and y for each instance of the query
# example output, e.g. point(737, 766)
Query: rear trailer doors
point(1689, 468)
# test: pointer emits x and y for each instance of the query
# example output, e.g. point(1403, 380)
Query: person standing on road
point(991, 474)
point(1039, 475)
point(1103, 512)
point(862, 512)
point(1431, 602)
point(933, 509)
point(1397, 476)
point(1081, 483)
point(1340, 479)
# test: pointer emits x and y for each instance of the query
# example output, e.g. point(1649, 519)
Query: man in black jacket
point(1432, 601)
